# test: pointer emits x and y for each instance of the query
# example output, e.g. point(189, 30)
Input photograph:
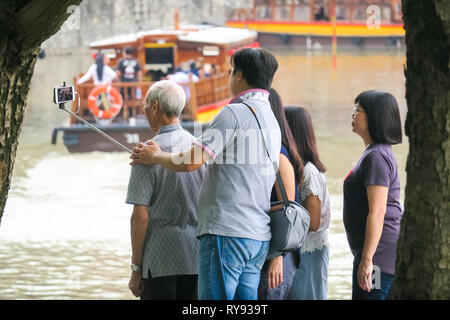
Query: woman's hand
point(275, 273)
point(365, 270)
point(377, 197)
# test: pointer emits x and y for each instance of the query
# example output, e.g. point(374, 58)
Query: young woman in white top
point(100, 71)
point(311, 279)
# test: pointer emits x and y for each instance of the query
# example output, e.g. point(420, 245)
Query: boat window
point(282, 13)
point(159, 57)
point(302, 12)
point(283, 2)
point(301, 2)
point(211, 51)
point(398, 12)
point(386, 13)
point(262, 13)
point(359, 13)
point(342, 12)
point(321, 10)
point(111, 53)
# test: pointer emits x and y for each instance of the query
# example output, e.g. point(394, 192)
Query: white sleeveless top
point(316, 184)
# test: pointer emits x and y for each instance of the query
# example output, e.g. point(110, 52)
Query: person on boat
point(372, 209)
point(165, 250)
point(183, 79)
point(100, 71)
point(129, 70)
point(193, 68)
point(234, 199)
point(277, 273)
point(311, 279)
point(206, 70)
point(320, 14)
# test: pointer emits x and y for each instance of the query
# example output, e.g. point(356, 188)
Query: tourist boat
point(159, 52)
point(314, 23)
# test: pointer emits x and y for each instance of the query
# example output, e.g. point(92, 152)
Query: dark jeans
point(179, 287)
point(122, 93)
point(374, 294)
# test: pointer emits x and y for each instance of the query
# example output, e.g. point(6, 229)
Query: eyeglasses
point(355, 110)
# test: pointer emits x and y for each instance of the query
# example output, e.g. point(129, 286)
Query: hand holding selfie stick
point(62, 106)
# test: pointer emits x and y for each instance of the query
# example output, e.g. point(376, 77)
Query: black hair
point(299, 120)
point(128, 50)
point(287, 138)
point(257, 65)
point(99, 60)
point(383, 116)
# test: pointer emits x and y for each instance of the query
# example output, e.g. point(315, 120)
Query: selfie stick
point(63, 107)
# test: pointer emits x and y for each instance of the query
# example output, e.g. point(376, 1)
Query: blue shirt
point(273, 196)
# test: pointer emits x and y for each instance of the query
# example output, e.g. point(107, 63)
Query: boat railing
point(133, 95)
point(210, 89)
point(206, 91)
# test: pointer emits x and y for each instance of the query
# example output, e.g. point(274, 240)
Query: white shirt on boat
point(108, 75)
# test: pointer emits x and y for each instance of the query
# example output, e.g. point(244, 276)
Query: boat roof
point(219, 35)
point(187, 33)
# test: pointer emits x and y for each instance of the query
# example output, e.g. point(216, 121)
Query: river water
point(65, 232)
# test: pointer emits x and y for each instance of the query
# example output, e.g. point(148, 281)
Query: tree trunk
point(24, 26)
point(423, 256)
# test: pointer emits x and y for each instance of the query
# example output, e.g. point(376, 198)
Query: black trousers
point(179, 287)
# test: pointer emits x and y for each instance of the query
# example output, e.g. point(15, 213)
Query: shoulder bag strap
point(275, 167)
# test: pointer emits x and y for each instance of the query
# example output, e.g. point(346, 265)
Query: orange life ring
point(115, 106)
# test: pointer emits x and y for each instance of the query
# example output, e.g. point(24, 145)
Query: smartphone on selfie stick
point(63, 94)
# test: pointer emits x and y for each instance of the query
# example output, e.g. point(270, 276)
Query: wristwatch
point(135, 267)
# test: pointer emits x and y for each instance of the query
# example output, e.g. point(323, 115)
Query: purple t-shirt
point(377, 166)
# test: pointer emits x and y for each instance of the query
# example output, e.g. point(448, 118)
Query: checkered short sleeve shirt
point(171, 246)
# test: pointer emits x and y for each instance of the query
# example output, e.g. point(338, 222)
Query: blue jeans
point(230, 267)
point(374, 294)
point(311, 279)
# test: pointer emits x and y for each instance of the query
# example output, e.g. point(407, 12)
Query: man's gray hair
point(170, 95)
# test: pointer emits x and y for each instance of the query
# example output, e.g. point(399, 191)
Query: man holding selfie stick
point(165, 251)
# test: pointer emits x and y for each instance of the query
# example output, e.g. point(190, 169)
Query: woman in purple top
point(372, 209)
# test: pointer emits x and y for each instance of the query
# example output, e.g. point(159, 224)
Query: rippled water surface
point(65, 231)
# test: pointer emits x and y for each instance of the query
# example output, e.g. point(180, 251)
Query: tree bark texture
point(24, 26)
point(423, 256)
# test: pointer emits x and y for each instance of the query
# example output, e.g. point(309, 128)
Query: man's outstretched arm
point(150, 154)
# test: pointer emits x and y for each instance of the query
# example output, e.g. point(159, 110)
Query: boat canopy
point(207, 34)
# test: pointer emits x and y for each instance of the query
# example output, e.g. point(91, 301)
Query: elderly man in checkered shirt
point(165, 250)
